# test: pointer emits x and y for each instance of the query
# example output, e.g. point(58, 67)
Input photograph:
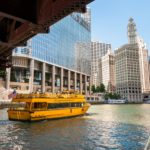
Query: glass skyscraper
point(66, 46)
point(61, 45)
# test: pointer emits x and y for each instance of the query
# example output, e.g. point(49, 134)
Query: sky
point(110, 19)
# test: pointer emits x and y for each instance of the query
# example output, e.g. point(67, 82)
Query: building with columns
point(49, 61)
point(98, 50)
point(131, 61)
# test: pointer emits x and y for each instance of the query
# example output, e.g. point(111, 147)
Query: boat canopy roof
point(49, 98)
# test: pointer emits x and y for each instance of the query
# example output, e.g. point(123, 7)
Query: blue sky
point(110, 19)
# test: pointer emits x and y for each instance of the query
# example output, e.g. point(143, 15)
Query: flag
point(12, 95)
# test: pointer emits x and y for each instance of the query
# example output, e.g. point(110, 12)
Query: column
point(80, 83)
point(75, 81)
point(8, 78)
point(53, 79)
point(90, 84)
point(61, 79)
point(85, 84)
point(43, 77)
point(31, 77)
point(68, 80)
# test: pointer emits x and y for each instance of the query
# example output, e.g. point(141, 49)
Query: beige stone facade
point(132, 68)
point(144, 66)
point(107, 71)
point(127, 68)
point(98, 50)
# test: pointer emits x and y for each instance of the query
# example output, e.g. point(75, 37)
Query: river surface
point(105, 127)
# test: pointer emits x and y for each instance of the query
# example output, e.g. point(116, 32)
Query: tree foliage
point(93, 88)
point(112, 96)
point(102, 88)
point(98, 89)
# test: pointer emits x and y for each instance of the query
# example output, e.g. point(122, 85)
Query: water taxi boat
point(36, 107)
point(116, 101)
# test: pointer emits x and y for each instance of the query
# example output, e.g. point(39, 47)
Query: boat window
point(78, 105)
point(39, 105)
point(58, 105)
point(64, 105)
point(27, 106)
point(75, 104)
point(19, 106)
point(51, 106)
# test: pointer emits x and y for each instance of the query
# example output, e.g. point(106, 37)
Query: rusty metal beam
point(22, 19)
point(21, 10)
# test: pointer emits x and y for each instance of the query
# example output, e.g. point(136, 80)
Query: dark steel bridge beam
point(22, 19)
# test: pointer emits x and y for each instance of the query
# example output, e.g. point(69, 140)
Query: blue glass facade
point(59, 46)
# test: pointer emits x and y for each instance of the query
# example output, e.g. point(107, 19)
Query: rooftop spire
point(132, 35)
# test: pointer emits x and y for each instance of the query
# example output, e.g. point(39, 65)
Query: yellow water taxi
point(36, 107)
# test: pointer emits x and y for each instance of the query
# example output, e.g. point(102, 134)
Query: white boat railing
point(147, 146)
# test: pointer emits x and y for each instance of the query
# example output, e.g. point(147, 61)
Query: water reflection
point(124, 127)
point(132, 114)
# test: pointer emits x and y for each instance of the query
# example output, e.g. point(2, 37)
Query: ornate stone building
point(131, 61)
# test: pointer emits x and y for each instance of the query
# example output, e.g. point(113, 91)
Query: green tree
point(112, 96)
point(117, 96)
point(102, 88)
point(93, 89)
point(98, 89)
point(106, 96)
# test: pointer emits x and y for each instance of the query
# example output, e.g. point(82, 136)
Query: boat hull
point(21, 115)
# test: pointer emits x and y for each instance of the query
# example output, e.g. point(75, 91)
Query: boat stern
point(19, 115)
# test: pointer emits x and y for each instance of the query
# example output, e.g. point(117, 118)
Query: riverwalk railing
point(147, 146)
point(5, 103)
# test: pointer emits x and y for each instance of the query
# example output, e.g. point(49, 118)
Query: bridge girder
point(22, 19)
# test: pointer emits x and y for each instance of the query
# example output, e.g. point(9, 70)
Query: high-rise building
point(149, 66)
point(97, 51)
point(128, 83)
point(107, 71)
point(82, 57)
point(131, 61)
point(143, 55)
point(49, 61)
point(144, 66)
point(87, 16)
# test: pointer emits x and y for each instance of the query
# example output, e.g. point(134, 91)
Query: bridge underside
point(22, 19)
